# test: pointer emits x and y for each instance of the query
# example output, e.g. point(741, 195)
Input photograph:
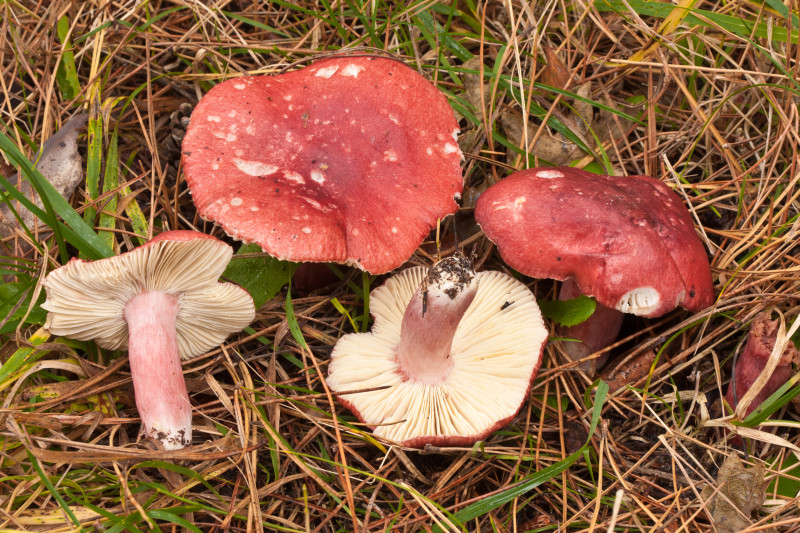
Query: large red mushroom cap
point(627, 241)
point(350, 160)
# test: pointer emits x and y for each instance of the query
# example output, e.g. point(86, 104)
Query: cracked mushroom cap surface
point(628, 241)
point(348, 160)
point(496, 351)
point(86, 299)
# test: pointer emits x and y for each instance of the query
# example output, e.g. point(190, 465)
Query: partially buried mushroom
point(450, 358)
point(349, 160)
point(627, 241)
point(161, 301)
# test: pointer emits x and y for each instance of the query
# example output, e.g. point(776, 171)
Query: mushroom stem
point(595, 333)
point(431, 318)
point(161, 396)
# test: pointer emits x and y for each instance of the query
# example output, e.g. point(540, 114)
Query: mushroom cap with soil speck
point(349, 160)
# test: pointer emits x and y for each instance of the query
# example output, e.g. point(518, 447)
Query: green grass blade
point(81, 235)
point(53, 491)
point(110, 182)
point(67, 74)
point(94, 157)
point(529, 483)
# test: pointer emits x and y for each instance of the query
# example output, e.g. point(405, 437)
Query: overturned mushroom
point(449, 360)
point(163, 302)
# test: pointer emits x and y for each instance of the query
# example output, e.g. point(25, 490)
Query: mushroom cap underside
point(86, 300)
point(496, 353)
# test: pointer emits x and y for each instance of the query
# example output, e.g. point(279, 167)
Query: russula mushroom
point(450, 358)
point(349, 160)
point(164, 303)
point(753, 359)
point(627, 241)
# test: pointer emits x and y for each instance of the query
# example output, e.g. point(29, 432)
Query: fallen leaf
point(60, 164)
point(741, 491)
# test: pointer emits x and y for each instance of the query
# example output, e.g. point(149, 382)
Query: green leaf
point(10, 296)
point(568, 312)
point(788, 483)
point(263, 276)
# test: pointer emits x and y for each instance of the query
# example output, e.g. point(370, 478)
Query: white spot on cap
point(394, 230)
point(254, 208)
point(288, 97)
point(355, 231)
point(213, 118)
point(239, 86)
point(289, 137)
point(641, 301)
point(352, 70)
point(390, 155)
point(326, 72)
point(250, 130)
point(291, 107)
point(306, 230)
point(254, 168)
point(239, 152)
point(429, 150)
point(313, 203)
point(455, 134)
point(519, 201)
point(394, 119)
point(232, 113)
point(236, 201)
point(317, 176)
point(450, 148)
point(293, 176)
point(230, 137)
point(549, 174)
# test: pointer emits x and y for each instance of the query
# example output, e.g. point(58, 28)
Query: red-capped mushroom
point(450, 358)
point(753, 359)
point(627, 241)
point(163, 302)
point(349, 160)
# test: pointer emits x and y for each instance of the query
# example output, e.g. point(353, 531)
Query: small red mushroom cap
point(628, 241)
point(350, 160)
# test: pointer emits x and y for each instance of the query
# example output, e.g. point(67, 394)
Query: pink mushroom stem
point(431, 318)
point(161, 396)
point(593, 334)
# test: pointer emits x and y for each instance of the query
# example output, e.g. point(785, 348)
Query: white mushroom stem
point(431, 319)
point(161, 396)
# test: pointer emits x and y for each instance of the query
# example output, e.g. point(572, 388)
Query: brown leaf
point(555, 73)
point(60, 164)
point(554, 149)
point(741, 491)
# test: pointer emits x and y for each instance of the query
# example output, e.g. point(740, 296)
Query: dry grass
point(718, 107)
